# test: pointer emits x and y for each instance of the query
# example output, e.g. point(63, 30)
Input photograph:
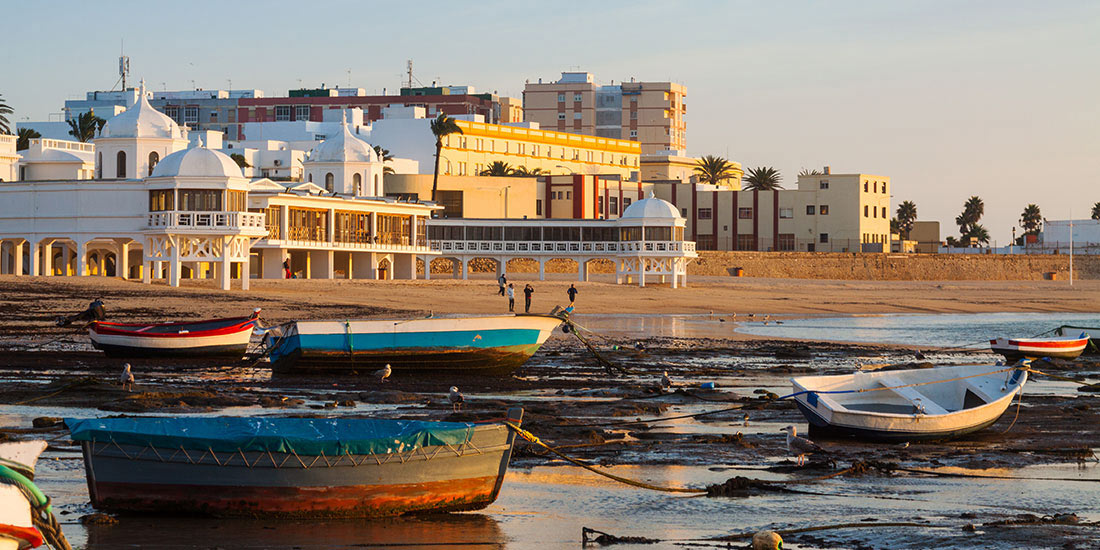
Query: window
point(883, 188)
point(824, 237)
point(599, 204)
point(120, 161)
point(357, 182)
point(633, 115)
point(875, 187)
point(561, 98)
point(864, 187)
point(823, 184)
point(784, 242)
point(161, 199)
point(706, 213)
point(786, 213)
point(884, 212)
point(746, 242)
point(213, 116)
point(613, 202)
point(744, 213)
point(190, 115)
point(451, 201)
point(154, 158)
point(538, 207)
point(576, 116)
point(865, 215)
point(633, 133)
point(301, 112)
point(200, 200)
point(173, 113)
point(568, 194)
point(98, 167)
point(683, 212)
point(823, 210)
point(577, 97)
point(236, 201)
point(561, 116)
point(626, 203)
point(330, 184)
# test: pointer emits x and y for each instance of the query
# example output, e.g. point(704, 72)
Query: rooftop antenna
point(123, 64)
point(409, 69)
point(349, 77)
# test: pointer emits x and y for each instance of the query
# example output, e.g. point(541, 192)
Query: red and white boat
point(1059, 347)
point(17, 530)
point(210, 337)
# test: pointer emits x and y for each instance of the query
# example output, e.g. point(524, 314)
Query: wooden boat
point(210, 337)
point(496, 344)
point(1060, 347)
point(1094, 341)
point(292, 467)
point(937, 403)
point(17, 530)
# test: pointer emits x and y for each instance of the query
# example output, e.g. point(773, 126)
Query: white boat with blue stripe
point(496, 344)
point(909, 405)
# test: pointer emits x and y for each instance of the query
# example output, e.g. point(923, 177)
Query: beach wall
point(823, 265)
point(894, 267)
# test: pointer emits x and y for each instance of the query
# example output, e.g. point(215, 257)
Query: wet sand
point(575, 404)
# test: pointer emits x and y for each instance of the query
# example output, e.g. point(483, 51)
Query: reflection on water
point(934, 330)
point(658, 325)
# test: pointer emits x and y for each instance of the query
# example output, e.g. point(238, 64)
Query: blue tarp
point(305, 436)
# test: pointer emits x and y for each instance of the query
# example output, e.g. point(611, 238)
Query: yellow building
point(651, 113)
point(674, 167)
point(472, 196)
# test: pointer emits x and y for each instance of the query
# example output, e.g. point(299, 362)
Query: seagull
point(752, 316)
point(800, 446)
point(127, 378)
point(383, 374)
point(918, 355)
point(455, 398)
point(746, 419)
point(666, 382)
point(767, 316)
point(639, 346)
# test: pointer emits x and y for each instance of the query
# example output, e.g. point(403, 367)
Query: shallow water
point(973, 330)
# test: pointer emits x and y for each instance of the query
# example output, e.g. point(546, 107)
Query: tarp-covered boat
point(293, 467)
point(17, 530)
point(210, 337)
point(496, 344)
point(908, 405)
point(1060, 347)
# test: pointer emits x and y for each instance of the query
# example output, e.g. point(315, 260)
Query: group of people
point(508, 289)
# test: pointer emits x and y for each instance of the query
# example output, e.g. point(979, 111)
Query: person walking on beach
point(527, 292)
point(286, 267)
point(503, 283)
point(572, 292)
point(511, 298)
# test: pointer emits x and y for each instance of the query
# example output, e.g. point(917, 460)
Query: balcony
point(557, 248)
point(175, 220)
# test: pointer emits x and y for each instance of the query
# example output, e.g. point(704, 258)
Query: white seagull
point(800, 446)
point(455, 398)
point(127, 378)
point(383, 374)
point(666, 382)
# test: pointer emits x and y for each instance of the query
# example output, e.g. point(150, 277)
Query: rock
point(46, 422)
point(98, 519)
point(767, 540)
point(330, 404)
point(969, 528)
point(346, 403)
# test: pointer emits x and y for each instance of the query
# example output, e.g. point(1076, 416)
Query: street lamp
point(571, 171)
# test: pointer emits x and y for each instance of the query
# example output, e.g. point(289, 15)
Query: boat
point(292, 467)
point(908, 405)
point(1094, 341)
point(227, 337)
point(496, 344)
point(17, 530)
point(1057, 347)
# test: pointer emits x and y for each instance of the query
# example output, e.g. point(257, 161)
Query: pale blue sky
point(995, 98)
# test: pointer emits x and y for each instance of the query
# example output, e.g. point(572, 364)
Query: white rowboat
point(1061, 347)
point(908, 405)
point(17, 531)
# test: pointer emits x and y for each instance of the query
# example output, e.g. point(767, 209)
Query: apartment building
point(826, 213)
point(651, 113)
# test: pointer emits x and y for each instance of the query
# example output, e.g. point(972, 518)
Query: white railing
point(597, 248)
point(175, 219)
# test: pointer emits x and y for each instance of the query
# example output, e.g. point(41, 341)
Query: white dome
point(343, 147)
point(651, 208)
point(197, 162)
point(141, 121)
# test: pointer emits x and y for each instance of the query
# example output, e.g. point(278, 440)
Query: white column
point(17, 257)
point(456, 268)
point(641, 271)
point(174, 266)
point(427, 267)
point(5, 263)
point(582, 270)
point(246, 272)
point(675, 272)
point(47, 257)
point(34, 255)
point(66, 258)
point(284, 223)
point(542, 269)
point(146, 271)
point(465, 269)
point(225, 270)
point(331, 233)
point(81, 267)
point(101, 261)
point(122, 260)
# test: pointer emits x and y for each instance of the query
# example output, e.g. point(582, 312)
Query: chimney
point(826, 170)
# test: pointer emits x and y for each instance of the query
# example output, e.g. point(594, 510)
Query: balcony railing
point(597, 248)
point(175, 219)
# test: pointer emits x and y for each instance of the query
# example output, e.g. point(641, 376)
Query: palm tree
point(1031, 220)
point(25, 137)
point(1096, 211)
point(497, 168)
point(443, 125)
point(978, 234)
point(523, 172)
point(895, 226)
point(972, 213)
point(907, 215)
point(240, 160)
point(763, 178)
point(5, 110)
point(384, 156)
point(814, 172)
point(85, 126)
point(714, 170)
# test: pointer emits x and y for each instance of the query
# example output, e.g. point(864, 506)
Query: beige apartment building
point(651, 113)
point(826, 213)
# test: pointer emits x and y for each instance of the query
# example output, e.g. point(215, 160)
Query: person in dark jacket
point(286, 268)
point(572, 292)
point(527, 292)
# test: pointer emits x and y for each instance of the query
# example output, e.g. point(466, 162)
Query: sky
point(999, 99)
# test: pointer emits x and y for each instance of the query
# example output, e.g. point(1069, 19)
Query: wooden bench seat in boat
point(911, 394)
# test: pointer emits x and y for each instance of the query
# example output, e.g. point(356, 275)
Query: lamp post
point(1012, 245)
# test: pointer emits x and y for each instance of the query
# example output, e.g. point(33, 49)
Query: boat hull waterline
point(214, 337)
point(474, 345)
point(1062, 347)
point(959, 401)
point(124, 477)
